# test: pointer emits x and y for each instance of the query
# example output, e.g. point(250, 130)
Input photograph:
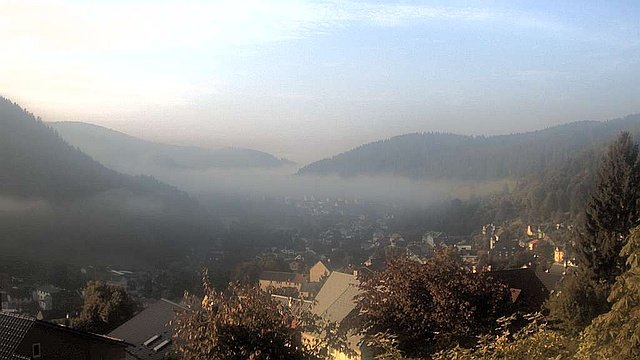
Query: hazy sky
point(306, 79)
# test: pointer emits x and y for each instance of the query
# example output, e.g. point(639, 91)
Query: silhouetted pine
point(611, 211)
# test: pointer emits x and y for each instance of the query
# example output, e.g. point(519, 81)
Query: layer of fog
point(282, 182)
point(20, 205)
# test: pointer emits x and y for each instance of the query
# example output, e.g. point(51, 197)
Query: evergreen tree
point(616, 334)
point(611, 211)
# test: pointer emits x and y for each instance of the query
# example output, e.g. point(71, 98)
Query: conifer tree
point(616, 334)
point(611, 211)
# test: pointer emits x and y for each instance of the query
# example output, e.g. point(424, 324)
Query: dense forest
point(475, 158)
point(58, 203)
point(557, 194)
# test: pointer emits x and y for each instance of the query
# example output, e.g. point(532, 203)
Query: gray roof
point(13, 328)
point(152, 321)
point(336, 299)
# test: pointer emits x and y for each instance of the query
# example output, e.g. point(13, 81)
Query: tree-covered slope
point(448, 156)
point(123, 152)
point(36, 162)
point(57, 202)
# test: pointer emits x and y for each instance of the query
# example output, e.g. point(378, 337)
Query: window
point(161, 345)
point(35, 350)
point(151, 339)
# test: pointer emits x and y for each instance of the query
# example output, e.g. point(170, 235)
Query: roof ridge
point(174, 303)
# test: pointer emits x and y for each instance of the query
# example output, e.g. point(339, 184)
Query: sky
point(308, 79)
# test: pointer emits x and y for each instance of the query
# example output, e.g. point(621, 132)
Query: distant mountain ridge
point(124, 152)
point(58, 203)
point(460, 157)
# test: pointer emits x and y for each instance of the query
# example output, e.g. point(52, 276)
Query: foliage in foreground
point(424, 307)
point(610, 213)
point(577, 302)
point(616, 334)
point(534, 341)
point(244, 322)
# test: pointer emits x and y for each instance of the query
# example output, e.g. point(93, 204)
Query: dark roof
point(85, 334)
point(281, 276)
point(49, 289)
point(550, 277)
point(13, 328)
point(527, 289)
point(152, 321)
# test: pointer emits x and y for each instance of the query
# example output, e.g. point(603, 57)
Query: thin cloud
point(108, 26)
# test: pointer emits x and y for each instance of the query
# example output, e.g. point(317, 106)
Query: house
point(291, 302)
point(336, 303)
point(18, 299)
point(280, 280)
point(23, 337)
point(504, 249)
point(558, 255)
point(318, 271)
point(44, 295)
point(149, 333)
point(419, 252)
point(528, 291)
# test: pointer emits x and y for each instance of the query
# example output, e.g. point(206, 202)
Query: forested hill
point(448, 156)
point(35, 162)
point(56, 201)
point(127, 153)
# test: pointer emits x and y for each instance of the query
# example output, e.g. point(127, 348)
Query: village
point(322, 273)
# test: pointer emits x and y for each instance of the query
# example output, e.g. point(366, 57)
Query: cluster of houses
point(313, 282)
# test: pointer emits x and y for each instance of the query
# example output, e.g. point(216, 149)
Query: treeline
point(478, 158)
point(126, 152)
point(557, 194)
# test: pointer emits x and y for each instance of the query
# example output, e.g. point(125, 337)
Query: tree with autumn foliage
point(535, 340)
point(422, 308)
point(244, 322)
point(105, 307)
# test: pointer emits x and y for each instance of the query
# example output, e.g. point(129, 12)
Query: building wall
point(61, 345)
point(317, 271)
point(266, 284)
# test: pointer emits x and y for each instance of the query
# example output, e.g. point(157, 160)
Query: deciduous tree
point(422, 306)
point(244, 322)
point(105, 308)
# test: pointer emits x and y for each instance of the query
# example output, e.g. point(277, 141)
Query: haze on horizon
point(307, 79)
